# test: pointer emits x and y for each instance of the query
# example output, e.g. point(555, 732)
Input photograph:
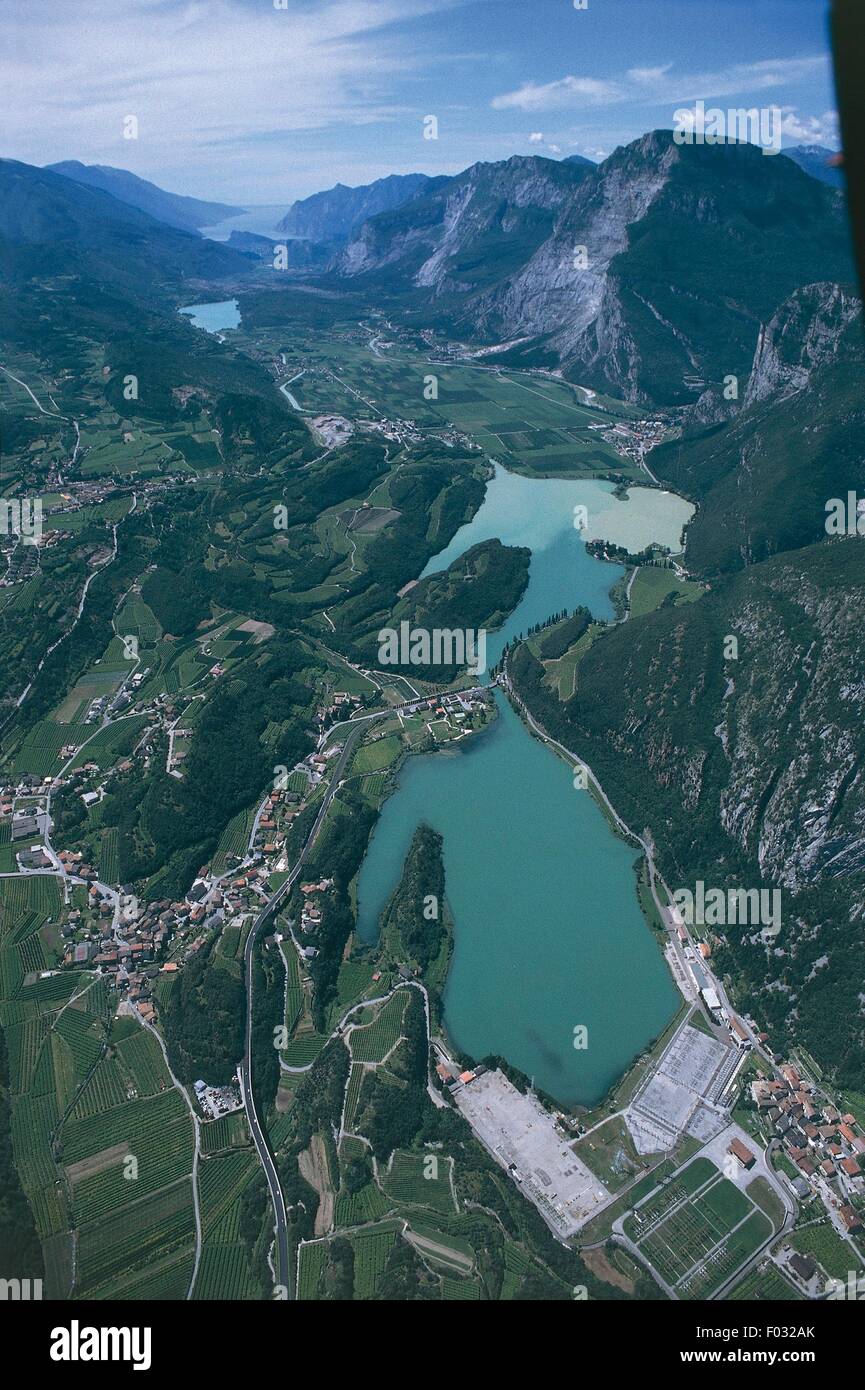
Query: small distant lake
point(213, 318)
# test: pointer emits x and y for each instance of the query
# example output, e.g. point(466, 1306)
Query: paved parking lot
point(523, 1137)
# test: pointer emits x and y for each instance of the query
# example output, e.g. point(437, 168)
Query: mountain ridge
point(646, 276)
point(335, 213)
point(97, 234)
point(174, 209)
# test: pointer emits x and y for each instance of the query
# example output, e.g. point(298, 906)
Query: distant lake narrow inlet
point(549, 935)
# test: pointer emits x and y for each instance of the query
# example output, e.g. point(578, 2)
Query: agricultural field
point(235, 838)
point(357, 1208)
point(371, 1249)
point(27, 905)
point(144, 1063)
point(461, 1290)
point(561, 673)
point(654, 585)
point(376, 756)
point(109, 745)
point(228, 1132)
point(303, 1048)
point(137, 619)
point(352, 1095)
point(372, 1042)
point(532, 422)
point(354, 980)
point(311, 1259)
point(766, 1283)
point(39, 753)
point(122, 1243)
point(834, 1255)
point(294, 992)
point(111, 510)
point(413, 1179)
point(102, 1140)
point(374, 787)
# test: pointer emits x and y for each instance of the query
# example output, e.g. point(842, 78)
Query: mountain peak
point(335, 213)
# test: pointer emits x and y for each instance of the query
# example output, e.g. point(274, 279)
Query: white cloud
point(660, 85)
point(536, 137)
point(223, 88)
point(648, 74)
point(568, 91)
point(810, 130)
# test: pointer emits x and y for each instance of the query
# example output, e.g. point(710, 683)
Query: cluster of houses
point(125, 952)
point(827, 1147)
point(26, 820)
point(315, 765)
point(22, 560)
point(129, 941)
point(278, 811)
point(456, 706)
point(212, 901)
point(72, 496)
point(341, 706)
point(29, 825)
point(633, 438)
point(311, 910)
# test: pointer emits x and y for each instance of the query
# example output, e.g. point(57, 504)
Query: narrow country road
point(196, 1124)
point(266, 915)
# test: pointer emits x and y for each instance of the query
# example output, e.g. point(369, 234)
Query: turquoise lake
point(549, 934)
point(213, 318)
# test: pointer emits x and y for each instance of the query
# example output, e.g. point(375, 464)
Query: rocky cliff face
point(794, 794)
point(766, 750)
point(337, 212)
point(795, 441)
point(648, 275)
point(450, 241)
point(566, 290)
point(817, 325)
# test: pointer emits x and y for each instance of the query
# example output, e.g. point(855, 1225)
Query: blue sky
point(249, 102)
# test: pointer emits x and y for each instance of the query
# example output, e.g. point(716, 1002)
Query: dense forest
point(204, 1020)
point(416, 909)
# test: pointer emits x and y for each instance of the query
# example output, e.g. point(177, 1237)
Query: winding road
point(267, 913)
point(259, 1135)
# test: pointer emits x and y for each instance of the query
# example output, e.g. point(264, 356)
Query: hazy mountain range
point(815, 160)
point(189, 214)
point(42, 208)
